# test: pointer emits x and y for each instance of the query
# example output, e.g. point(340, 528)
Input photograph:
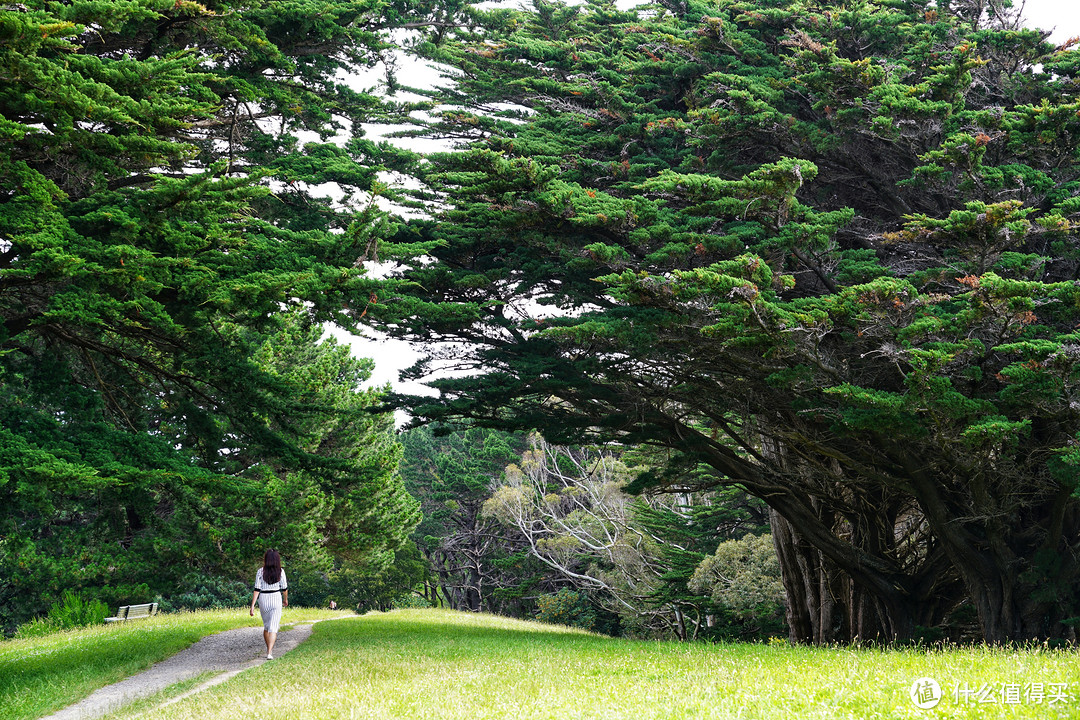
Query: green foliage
point(356, 586)
point(72, 611)
point(37, 627)
point(185, 533)
point(692, 533)
point(566, 607)
point(630, 558)
point(743, 578)
point(158, 227)
point(452, 475)
point(76, 611)
point(410, 602)
point(203, 592)
point(822, 253)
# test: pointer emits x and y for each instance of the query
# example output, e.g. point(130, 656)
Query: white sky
point(1061, 16)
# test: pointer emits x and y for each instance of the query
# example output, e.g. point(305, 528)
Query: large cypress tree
point(156, 218)
point(826, 251)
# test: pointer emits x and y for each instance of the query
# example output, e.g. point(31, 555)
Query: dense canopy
point(162, 417)
point(826, 252)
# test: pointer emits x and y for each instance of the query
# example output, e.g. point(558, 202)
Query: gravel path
point(228, 653)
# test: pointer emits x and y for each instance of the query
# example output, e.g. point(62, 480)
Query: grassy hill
point(437, 664)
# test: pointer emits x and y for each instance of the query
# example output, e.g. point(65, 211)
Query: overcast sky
point(1061, 16)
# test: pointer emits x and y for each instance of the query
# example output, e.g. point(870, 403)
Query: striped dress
point(270, 600)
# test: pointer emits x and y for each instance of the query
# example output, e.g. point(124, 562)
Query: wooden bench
point(133, 612)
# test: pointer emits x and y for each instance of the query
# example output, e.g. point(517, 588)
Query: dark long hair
point(272, 566)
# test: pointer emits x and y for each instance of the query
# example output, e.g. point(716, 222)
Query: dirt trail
point(227, 653)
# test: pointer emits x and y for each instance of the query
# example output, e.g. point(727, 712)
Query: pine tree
point(156, 218)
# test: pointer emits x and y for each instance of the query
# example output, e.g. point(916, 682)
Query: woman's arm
point(254, 597)
point(285, 597)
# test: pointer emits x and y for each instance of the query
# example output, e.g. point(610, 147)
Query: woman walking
point(272, 593)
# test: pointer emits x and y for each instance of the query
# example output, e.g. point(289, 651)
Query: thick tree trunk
point(824, 604)
point(816, 612)
point(817, 564)
point(1019, 569)
point(801, 601)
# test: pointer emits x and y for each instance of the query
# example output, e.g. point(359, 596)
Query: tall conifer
point(156, 218)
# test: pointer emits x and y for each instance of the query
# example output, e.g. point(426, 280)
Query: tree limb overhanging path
point(227, 653)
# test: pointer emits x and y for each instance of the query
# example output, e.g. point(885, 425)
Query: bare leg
point(268, 641)
point(271, 638)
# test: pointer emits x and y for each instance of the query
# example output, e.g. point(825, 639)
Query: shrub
point(566, 607)
point(71, 611)
point(76, 611)
point(204, 592)
point(410, 602)
point(310, 589)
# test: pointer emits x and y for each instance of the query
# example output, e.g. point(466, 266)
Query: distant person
point(333, 605)
point(272, 593)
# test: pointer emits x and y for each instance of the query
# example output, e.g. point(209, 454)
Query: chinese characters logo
point(925, 693)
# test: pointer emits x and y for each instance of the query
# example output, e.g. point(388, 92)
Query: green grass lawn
point(41, 675)
point(437, 664)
